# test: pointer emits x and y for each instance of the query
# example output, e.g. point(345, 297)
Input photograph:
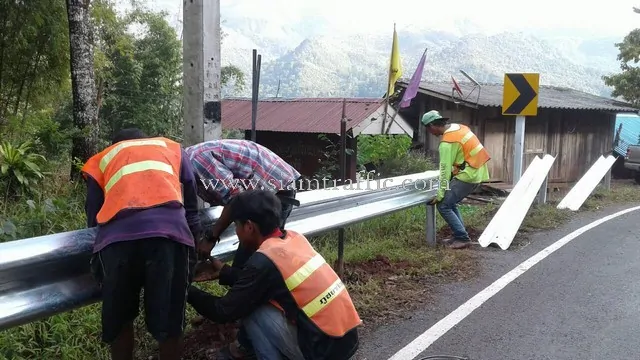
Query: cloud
point(488, 16)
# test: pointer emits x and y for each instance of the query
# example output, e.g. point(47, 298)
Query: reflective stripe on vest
point(136, 174)
point(316, 288)
point(115, 150)
point(474, 153)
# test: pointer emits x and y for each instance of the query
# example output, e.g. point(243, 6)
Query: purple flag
point(412, 89)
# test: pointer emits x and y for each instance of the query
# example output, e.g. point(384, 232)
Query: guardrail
point(47, 275)
point(505, 224)
point(587, 183)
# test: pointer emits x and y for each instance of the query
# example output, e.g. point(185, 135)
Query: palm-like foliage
point(19, 166)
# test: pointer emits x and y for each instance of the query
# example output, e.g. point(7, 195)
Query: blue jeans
point(271, 337)
point(448, 207)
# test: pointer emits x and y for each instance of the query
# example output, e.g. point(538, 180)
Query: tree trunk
point(85, 117)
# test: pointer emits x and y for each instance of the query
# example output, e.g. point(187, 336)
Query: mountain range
point(307, 56)
point(356, 64)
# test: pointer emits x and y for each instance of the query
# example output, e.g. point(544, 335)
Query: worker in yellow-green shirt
point(463, 167)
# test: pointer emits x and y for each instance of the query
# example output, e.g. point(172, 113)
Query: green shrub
point(19, 169)
point(378, 148)
point(403, 164)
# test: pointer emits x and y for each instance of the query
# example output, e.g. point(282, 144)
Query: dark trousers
point(160, 266)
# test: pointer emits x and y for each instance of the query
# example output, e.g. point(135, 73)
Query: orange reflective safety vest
point(315, 287)
point(475, 155)
point(136, 174)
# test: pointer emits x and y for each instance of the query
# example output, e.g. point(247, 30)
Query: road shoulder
point(383, 341)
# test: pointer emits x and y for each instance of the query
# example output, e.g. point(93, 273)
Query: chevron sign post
point(520, 98)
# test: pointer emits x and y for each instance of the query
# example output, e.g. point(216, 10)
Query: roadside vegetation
point(388, 267)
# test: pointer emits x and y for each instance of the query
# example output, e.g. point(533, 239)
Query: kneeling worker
point(291, 302)
point(463, 157)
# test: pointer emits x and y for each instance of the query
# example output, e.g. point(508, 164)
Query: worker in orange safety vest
point(142, 197)
point(463, 167)
point(291, 302)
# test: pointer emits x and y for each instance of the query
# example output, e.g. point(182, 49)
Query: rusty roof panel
point(549, 97)
point(300, 115)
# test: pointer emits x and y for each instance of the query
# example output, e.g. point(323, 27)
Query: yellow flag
point(395, 68)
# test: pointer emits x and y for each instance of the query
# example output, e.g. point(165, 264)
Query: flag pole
point(386, 103)
point(393, 118)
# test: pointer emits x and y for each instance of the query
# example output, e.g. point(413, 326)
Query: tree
point(85, 116)
point(34, 64)
point(627, 83)
point(232, 78)
point(141, 73)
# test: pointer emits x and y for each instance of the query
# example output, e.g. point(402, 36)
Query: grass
point(382, 256)
point(624, 192)
point(390, 247)
point(389, 270)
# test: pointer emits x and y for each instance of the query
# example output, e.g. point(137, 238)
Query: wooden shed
point(572, 125)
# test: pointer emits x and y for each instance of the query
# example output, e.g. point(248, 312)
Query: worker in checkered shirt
point(228, 166)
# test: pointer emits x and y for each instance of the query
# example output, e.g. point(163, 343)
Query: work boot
point(235, 351)
point(197, 320)
point(459, 244)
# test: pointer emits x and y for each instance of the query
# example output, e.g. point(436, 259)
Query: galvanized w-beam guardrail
point(47, 275)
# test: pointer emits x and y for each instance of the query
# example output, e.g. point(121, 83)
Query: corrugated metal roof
point(629, 134)
point(300, 115)
point(551, 97)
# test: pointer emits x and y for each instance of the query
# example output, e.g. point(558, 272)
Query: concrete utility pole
point(201, 71)
point(518, 152)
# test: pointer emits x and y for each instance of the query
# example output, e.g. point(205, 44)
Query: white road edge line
point(422, 342)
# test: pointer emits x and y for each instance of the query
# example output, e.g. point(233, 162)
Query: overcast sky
point(612, 17)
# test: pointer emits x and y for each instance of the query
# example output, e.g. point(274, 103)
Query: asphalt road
point(581, 302)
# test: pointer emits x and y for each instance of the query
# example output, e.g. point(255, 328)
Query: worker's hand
point(217, 264)
point(206, 271)
point(434, 201)
point(206, 244)
point(212, 237)
point(204, 248)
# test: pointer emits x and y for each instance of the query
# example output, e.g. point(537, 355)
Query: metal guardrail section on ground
point(587, 183)
point(47, 275)
point(505, 224)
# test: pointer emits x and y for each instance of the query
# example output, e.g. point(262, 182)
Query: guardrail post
point(340, 261)
point(431, 225)
point(343, 179)
point(607, 180)
point(542, 193)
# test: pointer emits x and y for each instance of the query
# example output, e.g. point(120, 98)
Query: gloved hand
point(434, 201)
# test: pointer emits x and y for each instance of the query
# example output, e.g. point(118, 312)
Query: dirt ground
point(382, 290)
point(205, 339)
point(400, 287)
point(446, 233)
